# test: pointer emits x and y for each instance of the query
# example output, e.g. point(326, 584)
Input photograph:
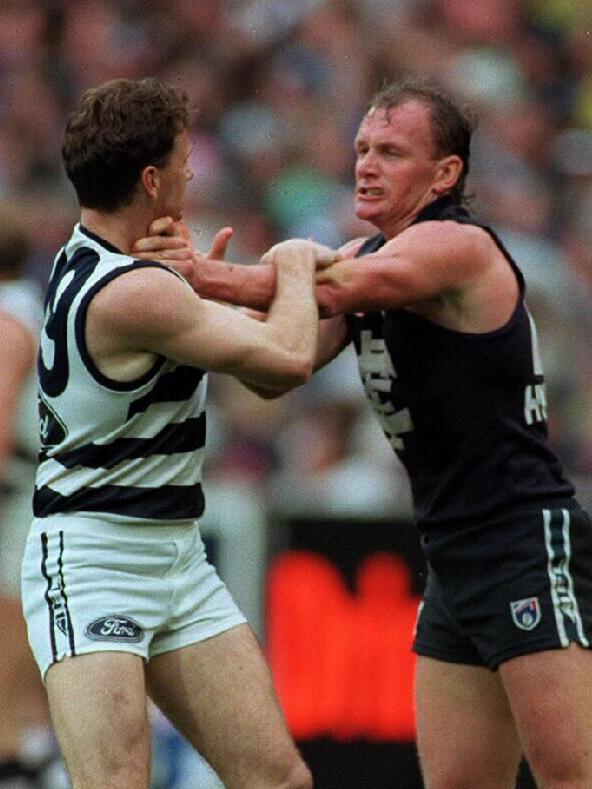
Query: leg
point(465, 733)
point(551, 697)
point(219, 695)
point(21, 691)
point(99, 710)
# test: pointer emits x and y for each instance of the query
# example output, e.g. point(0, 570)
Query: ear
point(448, 172)
point(150, 181)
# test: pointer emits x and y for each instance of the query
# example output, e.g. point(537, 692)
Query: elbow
point(281, 385)
point(299, 373)
point(296, 373)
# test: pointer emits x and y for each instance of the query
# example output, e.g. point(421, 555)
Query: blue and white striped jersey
point(132, 449)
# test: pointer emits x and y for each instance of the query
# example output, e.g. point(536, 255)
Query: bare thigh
point(465, 733)
point(551, 697)
point(99, 710)
point(219, 695)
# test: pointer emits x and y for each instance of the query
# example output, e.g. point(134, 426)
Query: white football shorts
point(89, 584)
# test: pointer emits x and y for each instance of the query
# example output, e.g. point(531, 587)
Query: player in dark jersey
point(448, 355)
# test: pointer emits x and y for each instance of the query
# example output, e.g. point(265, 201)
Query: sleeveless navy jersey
point(128, 450)
point(465, 413)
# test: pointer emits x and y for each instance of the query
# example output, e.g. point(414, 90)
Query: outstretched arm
point(209, 274)
point(212, 277)
point(423, 263)
point(147, 312)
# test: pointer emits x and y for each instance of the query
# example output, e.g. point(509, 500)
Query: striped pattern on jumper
point(132, 449)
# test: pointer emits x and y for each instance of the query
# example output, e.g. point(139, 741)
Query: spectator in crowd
point(22, 697)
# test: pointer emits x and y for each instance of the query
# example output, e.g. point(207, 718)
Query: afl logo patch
point(115, 628)
point(526, 613)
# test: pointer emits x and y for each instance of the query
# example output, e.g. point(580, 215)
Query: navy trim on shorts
point(68, 628)
point(45, 553)
point(69, 625)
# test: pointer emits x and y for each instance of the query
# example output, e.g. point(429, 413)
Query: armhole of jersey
point(80, 324)
point(499, 244)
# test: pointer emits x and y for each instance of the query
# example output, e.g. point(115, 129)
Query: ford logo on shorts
point(115, 628)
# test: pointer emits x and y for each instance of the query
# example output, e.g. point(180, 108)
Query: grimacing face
point(396, 167)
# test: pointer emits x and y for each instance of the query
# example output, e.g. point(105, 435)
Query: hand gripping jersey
point(131, 449)
point(465, 413)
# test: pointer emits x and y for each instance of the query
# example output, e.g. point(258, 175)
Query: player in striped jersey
point(119, 598)
point(435, 308)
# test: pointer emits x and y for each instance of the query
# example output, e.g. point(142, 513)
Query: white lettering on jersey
point(378, 373)
point(535, 403)
point(535, 397)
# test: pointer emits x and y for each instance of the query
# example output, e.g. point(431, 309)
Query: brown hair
point(115, 131)
point(452, 124)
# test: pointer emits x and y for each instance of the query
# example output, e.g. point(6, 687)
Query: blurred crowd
point(280, 87)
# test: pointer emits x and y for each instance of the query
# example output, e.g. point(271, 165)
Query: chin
point(368, 213)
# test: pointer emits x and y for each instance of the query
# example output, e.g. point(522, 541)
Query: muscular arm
point(234, 283)
point(149, 311)
point(422, 263)
point(212, 277)
point(17, 358)
point(209, 274)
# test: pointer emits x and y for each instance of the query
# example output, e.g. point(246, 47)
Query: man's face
point(173, 179)
point(396, 166)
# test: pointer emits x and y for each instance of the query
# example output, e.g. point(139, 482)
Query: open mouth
point(369, 191)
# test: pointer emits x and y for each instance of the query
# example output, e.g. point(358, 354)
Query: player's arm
point(251, 286)
point(152, 311)
point(17, 358)
point(423, 262)
point(209, 274)
point(333, 337)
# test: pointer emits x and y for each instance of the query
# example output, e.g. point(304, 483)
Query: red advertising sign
point(342, 659)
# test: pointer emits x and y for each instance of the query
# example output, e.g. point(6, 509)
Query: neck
point(424, 211)
point(120, 229)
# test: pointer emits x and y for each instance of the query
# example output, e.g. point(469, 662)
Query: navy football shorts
point(517, 585)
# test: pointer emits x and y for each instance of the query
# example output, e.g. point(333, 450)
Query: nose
point(366, 163)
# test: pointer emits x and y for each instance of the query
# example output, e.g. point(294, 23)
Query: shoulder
point(447, 240)
point(447, 230)
point(139, 296)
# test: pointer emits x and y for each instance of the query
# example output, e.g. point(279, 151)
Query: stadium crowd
point(280, 87)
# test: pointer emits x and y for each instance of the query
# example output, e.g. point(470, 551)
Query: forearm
point(294, 314)
point(235, 283)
